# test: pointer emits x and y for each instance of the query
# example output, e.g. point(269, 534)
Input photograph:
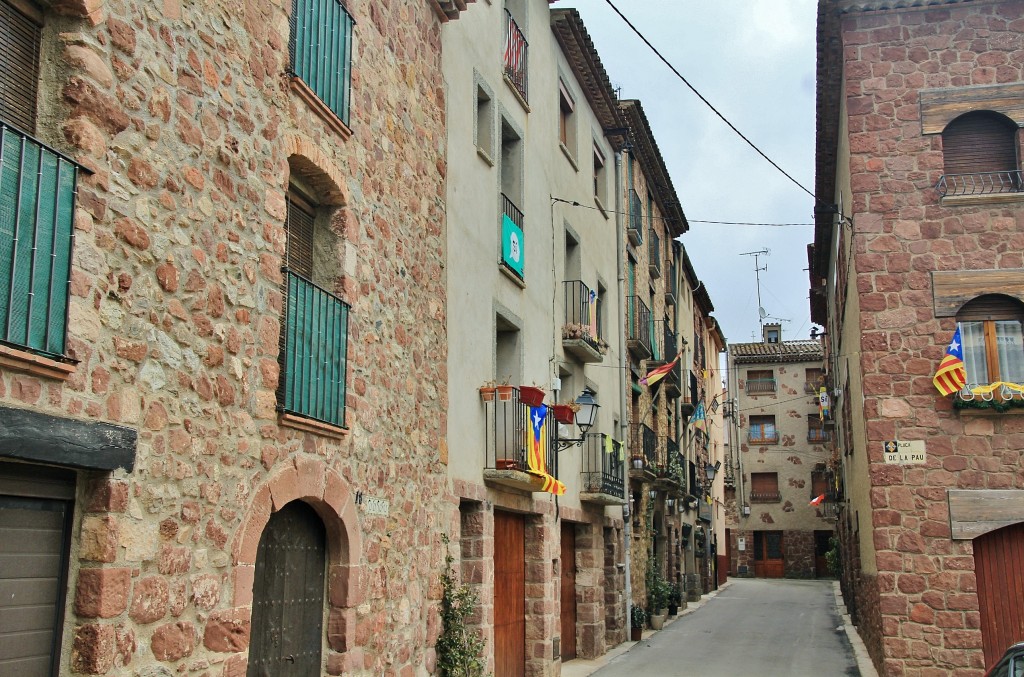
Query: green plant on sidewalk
point(459, 649)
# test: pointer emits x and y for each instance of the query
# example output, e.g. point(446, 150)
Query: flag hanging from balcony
point(951, 374)
point(515, 45)
point(698, 420)
point(536, 450)
point(818, 500)
point(656, 375)
point(592, 312)
point(824, 408)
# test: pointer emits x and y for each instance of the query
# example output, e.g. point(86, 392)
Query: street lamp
point(712, 470)
point(585, 419)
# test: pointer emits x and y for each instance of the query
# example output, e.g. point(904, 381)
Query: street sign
point(904, 452)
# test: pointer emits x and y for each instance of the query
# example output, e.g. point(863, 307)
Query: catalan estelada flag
point(655, 375)
point(536, 450)
point(951, 374)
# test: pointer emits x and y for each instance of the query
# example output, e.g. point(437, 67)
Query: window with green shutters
point(320, 48)
point(314, 334)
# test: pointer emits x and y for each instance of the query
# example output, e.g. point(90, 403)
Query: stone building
point(222, 336)
point(919, 239)
point(779, 435)
point(534, 285)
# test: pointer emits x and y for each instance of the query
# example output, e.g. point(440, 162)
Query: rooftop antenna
point(757, 274)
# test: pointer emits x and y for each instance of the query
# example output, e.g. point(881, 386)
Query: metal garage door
point(35, 517)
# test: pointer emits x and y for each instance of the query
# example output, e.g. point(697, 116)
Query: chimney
point(772, 333)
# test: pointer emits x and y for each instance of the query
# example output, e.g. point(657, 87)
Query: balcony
point(581, 332)
point(672, 286)
point(689, 395)
point(603, 470)
point(513, 257)
point(765, 496)
point(760, 386)
point(818, 435)
point(654, 254)
point(635, 226)
point(314, 353)
point(982, 183)
point(763, 435)
point(507, 436)
point(516, 56)
point(669, 471)
point(37, 206)
point(638, 328)
point(643, 443)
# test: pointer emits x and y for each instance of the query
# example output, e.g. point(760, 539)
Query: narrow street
point(773, 627)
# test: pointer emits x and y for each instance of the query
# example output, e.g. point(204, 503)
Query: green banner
point(512, 254)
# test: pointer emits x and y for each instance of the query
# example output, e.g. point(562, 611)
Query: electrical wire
point(574, 203)
point(709, 105)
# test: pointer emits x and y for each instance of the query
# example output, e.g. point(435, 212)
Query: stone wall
point(182, 113)
point(925, 584)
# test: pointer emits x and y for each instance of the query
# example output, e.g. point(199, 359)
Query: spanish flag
point(951, 374)
point(655, 375)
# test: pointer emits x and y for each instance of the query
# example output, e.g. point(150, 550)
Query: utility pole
point(761, 314)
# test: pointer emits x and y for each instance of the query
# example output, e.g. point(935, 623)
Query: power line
point(708, 103)
point(574, 203)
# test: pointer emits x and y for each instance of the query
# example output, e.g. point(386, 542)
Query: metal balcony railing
point(763, 435)
point(321, 52)
point(509, 209)
point(582, 314)
point(981, 183)
point(508, 433)
point(643, 441)
point(635, 226)
point(314, 354)
point(638, 327)
point(765, 496)
point(818, 435)
point(653, 253)
point(512, 240)
point(672, 287)
point(37, 205)
point(516, 55)
point(760, 385)
point(604, 469)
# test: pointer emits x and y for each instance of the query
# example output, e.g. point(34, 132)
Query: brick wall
point(925, 587)
point(182, 113)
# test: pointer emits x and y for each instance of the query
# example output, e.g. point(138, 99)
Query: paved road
point(766, 628)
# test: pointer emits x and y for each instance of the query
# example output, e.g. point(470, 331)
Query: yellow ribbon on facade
point(985, 390)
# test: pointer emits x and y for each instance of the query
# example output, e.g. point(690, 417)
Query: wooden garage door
point(35, 519)
point(568, 591)
point(999, 567)
point(509, 595)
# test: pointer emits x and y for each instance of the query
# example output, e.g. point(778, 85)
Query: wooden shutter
point(19, 67)
point(301, 215)
point(991, 307)
point(979, 142)
point(999, 567)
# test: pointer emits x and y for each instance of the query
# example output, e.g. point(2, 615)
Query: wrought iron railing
point(761, 434)
point(638, 326)
point(643, 441)
point(320, 47)
point(37, 204)
point(671, 289)
point(670, 346)
point(509, 209)
point(765, 496)
point(508, 433)
point(513, 256)
point(981, 183)
point(603, 465)
point(654, 253)
point(582, 314)
point(516, 55)
point(314, 355)
point(635, 226)
point(760, 385)
point(818, 435)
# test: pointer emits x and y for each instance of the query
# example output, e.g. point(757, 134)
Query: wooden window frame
point(989, 309)
point(762, 439)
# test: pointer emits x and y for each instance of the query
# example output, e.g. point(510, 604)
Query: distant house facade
point(917, 250)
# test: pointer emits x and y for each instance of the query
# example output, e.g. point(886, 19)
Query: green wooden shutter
point(321, 51)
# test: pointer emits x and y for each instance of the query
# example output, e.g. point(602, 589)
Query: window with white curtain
point(993, 340)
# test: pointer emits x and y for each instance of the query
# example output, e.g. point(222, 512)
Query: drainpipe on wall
point(623, 416)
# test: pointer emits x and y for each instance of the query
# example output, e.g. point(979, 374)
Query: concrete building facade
point(780, 435)
point(918, 244)
point(223, 336)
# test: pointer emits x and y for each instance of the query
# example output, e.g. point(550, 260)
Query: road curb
point(860, 652)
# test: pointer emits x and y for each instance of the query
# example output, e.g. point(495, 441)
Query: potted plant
point(487, 391)
point(637, 621)
point(566, 412)
point(675, 599)
point(505, 391)
point(531, 396)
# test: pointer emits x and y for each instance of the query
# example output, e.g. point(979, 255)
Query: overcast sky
point(753, 60)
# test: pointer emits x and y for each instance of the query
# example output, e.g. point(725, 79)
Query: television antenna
point(762, 314)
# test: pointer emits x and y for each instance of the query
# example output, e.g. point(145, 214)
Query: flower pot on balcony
point(564, 414)
point(531, 396)
point(504, 393)
point(487, 393)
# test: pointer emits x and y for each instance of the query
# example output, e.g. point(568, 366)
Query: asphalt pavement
point(763, 627)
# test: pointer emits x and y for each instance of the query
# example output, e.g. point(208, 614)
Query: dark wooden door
point(769, 557)
point(35, 523)
point(999, 567)
point(509, 595)
point(568, 591)
point(288, 595)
